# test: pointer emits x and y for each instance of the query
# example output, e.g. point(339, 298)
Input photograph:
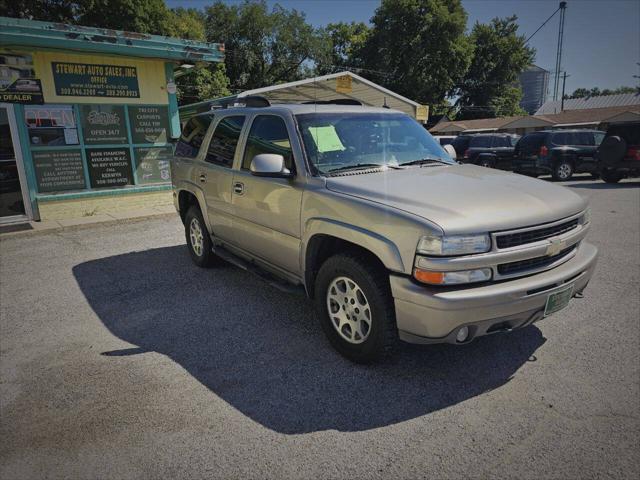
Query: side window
point(562, 138)
point(598, 137)
point(583, 138)
point(268, 134)
point(192, 135)
point(224, 141)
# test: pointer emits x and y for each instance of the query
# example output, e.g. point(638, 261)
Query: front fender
point(380, 246)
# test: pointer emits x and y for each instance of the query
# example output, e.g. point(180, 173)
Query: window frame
point(245, 140)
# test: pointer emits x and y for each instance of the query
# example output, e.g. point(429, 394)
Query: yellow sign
point(81, 78)
point(343, 84)
point(422, 113)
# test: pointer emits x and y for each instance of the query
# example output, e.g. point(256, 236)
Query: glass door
point(12, 198)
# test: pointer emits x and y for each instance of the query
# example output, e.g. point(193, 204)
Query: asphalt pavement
point(121, 359)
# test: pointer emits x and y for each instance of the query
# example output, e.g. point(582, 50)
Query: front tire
point(198, 239)
point(563, 171)
point(355, 307)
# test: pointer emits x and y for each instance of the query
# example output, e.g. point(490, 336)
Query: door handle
point(238, 187)
point(203, 177)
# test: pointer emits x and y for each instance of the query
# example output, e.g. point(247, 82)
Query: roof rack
point(255, 101)
point(335, 101)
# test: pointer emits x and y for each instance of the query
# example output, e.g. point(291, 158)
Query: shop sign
point(149, 124)
point(152, 164)
point(343, 84)
point(109, 167)
point(58, 170)
point(103, 124)
point(18, 82)
point(51, 125)
point(93, 80)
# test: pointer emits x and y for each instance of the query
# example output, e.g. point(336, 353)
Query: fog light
point(462, 334)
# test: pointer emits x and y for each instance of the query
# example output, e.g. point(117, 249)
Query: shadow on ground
point(263, 352)
point(600, 185)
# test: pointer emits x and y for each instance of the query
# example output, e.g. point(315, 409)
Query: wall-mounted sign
point(109, 167)
point(149, 124)
point(103, 124)
point(152, 164)
point(92, 80)
point(18, 82)
point(58, 170)
point(343, 84)
point(51, 125)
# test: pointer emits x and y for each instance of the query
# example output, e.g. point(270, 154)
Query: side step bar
point(271, 279)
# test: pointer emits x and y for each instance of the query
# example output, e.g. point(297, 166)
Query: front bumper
point(434, 314)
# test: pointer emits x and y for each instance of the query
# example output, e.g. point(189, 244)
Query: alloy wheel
point(349, 310)
point(196, 237)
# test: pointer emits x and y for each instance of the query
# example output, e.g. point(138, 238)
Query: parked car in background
point(560, 153)
point(618, 155)
point(445, 139)
point(461, 143)
point(494, 150)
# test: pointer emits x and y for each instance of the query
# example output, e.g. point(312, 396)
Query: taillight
point(466, 153)
point(633, 153)
point(543, 151)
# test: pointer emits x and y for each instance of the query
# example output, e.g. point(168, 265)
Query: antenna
point(556, 83)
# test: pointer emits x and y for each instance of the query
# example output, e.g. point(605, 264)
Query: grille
point(531, 263)
point(521, 238)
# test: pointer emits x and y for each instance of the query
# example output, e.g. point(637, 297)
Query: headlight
point(452, 278)
point(454, 244)
point(586, 217)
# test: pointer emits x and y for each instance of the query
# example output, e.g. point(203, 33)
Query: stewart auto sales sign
point(18, 82)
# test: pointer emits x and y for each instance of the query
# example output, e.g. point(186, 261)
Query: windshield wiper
point(360, 166)
point(424, 161)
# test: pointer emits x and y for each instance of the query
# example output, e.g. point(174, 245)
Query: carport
point(341, 85)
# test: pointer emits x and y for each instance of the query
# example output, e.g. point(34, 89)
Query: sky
point(601, 37)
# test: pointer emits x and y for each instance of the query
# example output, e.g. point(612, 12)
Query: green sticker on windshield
point(326, 139)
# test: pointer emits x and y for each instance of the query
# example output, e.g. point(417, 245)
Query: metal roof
point(20, 33)
point(601, 101)
point(317, 89)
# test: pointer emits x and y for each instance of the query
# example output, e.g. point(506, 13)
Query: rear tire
point(198, 238)
point(355, 307)
point(611, 176)
point(563, 171)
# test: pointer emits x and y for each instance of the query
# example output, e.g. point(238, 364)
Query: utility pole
point(556, 84)
point(564, 81)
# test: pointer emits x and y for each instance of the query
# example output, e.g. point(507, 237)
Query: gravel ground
point(120, 359)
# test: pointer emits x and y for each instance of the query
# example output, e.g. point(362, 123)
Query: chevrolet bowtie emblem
point(555, 246)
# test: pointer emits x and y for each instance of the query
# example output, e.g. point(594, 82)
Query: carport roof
point(318, 89)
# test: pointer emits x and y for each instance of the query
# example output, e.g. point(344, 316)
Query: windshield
point(340, 141)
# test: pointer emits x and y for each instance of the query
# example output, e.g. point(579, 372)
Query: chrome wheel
point(349, 310)
point(564, 171)
point(196, 237)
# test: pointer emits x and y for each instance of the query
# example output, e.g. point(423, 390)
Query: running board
point(271, 279)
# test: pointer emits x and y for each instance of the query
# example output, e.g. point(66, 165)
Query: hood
point(464, 198)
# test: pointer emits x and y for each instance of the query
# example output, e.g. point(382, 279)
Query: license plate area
point(557, 300)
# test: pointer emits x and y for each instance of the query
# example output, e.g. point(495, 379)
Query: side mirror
point(269, 165)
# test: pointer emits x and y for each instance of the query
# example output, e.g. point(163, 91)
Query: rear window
point(461, 142)
point(192, 135)
point(480, 142)
point(224, 141)
point(504, 141)
point(532, 142)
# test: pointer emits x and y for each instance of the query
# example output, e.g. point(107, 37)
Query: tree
point(595, 91)
point(142, 16)
point(47, 10)
point(418, 48)
point(344, 43)
point(262, 47)
point(489, 88)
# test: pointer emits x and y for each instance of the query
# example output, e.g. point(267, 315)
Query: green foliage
point(500, 55)
point(595, 91)
point(343, 44)
point(262, 47)
point(187, 23)
point(418, 48)
point(203, 82)
point(48, 10)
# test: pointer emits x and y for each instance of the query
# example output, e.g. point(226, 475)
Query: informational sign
point(51, 125)
point(103, 124)
point(422, 113)
point(149, 123)
point(109, 167)
point(58, 170)
point(152, 164)
point(343, 84)
point(18, 82)
point(94, 80)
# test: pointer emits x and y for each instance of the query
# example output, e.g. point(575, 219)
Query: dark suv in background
point(619, 153)
point(558, 152)
point(493, 150)
point(460, 144)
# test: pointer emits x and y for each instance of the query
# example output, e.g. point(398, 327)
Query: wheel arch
point(188, 197)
